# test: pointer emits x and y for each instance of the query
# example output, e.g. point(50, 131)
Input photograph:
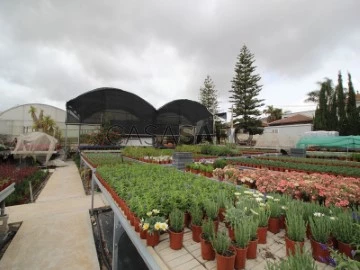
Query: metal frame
point(3, 194)
point(120, 219)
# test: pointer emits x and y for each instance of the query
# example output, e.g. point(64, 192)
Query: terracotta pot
point(187, 219)
point(240, 259)
point(308, 231)
point(231, 233)
point(137, 224)
point(152, 239)
point(176, 240)
point(252, 250)
point(320, 252)
point(291, 246)
point(196, 232)
point(226, 262)
point(132, 219)
point(345, 249)
point(274, 225)
point(216, 225)
point(221, 214)
point(207, 251)
point(142, 233)
point(262, 233)
point(282, 222)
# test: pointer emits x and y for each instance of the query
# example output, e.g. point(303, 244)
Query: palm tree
point(273, 113)
point(48, 124)
point(32, 112)
point(313, 96)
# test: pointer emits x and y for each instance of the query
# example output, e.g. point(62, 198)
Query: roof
point(357, 97)
point(296, 119)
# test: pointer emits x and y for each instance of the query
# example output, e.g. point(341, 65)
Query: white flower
point(284, 207)
point(248, 192)
point(259, 199)
point(332, 218)
point(276, 200)
point(317, 214)
point(255, 213)
point(270, 197)
point(155, 211)
point(262, 204)
point(237, 193)
point(149, 214)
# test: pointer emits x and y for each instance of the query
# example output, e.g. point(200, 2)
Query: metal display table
point(120, 219)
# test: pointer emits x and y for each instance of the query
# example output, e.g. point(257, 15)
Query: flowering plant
point(153, 222)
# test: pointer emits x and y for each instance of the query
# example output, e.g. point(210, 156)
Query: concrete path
point(56, 231)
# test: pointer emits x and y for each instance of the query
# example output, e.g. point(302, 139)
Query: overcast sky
point(53, 51)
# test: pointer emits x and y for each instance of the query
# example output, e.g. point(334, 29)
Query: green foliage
point(208, 229)
point(220, 163)
point(344, 262)
point(234, 215)
point(242, 233)
point(221, 243)
point(245, 91)
point(351, 111)
point(176, 219)
point(253, 225)
point(298, 261)
point(263, 216)
point(344, 229)
point(196, 214)
point(208, 95)
point(320, 228)
point(341, 106)
point(275, 209)
point(296, 226)
point(217, 150)
point(211, 209)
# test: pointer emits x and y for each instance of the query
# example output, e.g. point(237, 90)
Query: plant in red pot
point(153, 224)
point(296, 231)
point(176, 229)
point(223, 200)
point(345, 231)
point(225, 252)
point(320, 242)
point(263, 217)
point(212, 210)
point(208, 233)
point(275, 213)
point(252, 249)
point(233, 216)
point(241, 243)
point(196, 221)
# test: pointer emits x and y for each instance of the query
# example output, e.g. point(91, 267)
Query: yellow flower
point(149, 214)
point(146, 226)
point(164, 226)
point(156, 211)
point(157, 226)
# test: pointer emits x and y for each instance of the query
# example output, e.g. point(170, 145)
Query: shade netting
point(348, 142)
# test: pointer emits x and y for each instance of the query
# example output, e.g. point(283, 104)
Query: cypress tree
point(322, 113)
point(351, 110)
point(244, 93)
point(333, 120)
point(342, 123)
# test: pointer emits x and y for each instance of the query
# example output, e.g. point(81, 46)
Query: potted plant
point(233, 216)
point(320, 241)
point(153, 225)
point(241, 242)
point(263, 218)
point(176, 229)
point(296, 232)
point(208, 232)
point(252, 248)
point(298, 261)
point(225, 254)
point(275, 213)
point(222, 201)
point(211, 211)
point(196, 221)
point(345, 232)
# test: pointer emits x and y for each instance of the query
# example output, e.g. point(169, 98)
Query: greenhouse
point(132, 116)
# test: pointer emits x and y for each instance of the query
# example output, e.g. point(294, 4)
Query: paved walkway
point(56, 232)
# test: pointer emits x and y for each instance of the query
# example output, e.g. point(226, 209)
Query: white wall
point(289, 129)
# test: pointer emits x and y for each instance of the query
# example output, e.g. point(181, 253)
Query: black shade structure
point(134, 114)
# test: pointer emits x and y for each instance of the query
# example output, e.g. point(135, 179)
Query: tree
point(208, 95)
point(322, 112)
point(273, 113)
point(341, 106)
point(352, 114)
point(314, 96)
point(244, 93)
